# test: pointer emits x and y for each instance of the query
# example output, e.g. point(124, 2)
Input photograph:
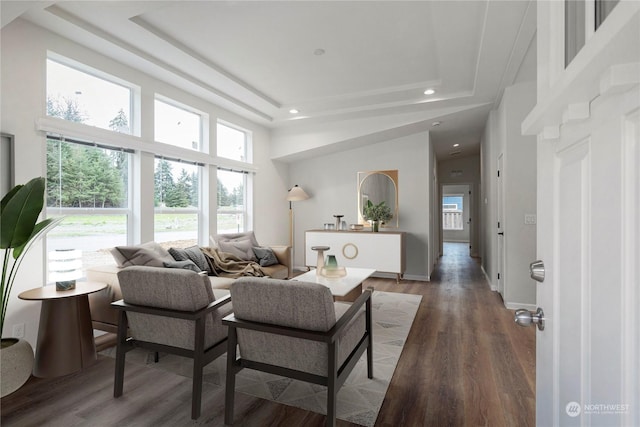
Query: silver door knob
point(525, 317)
point(536, 269)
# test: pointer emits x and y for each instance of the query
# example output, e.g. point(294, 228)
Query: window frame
point(128, 211)
point(203, 146)
point(443, 211)
point(188, 210)
point(580, 27)
point(134, 90)
point(145, 149)
point(246, 213)
point(248, 142)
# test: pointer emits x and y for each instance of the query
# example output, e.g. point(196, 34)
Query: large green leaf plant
point(19, 230)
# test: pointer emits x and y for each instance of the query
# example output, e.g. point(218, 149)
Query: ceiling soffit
point(257, 58)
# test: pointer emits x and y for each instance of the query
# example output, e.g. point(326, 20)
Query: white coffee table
point(346, 288)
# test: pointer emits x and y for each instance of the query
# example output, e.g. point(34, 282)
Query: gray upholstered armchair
point(295, 329)
point(172, 311)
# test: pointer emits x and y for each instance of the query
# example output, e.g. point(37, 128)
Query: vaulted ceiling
point(358, 66)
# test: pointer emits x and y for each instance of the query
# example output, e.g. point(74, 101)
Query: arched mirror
point(378, 186)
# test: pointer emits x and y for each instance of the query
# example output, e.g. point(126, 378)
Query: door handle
point(536, 270)
point(524, 317)
point(501, 233)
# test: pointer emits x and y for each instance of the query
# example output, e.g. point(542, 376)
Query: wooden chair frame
point(201, 356)
point(336, 375)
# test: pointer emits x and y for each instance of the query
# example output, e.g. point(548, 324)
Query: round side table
point(65, 336)
point(320, 261)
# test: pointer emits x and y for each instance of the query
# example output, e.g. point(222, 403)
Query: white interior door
point(500, 224)
point(588, 237)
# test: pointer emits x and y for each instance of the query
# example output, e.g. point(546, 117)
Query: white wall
point(331, 182)
point(488, 194)
point(503, 136)
point(24, 53)
point(434, 212)
point(520, 198)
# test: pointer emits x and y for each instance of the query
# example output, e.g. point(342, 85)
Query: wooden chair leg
point(198, 367)
point(332, 379)
point(232, 341)
point(369, 328)
point(196, 393)
point(118, 383)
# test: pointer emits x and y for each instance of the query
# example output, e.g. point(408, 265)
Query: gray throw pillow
point(265, 256)
point(192, 253)
point(234, 237)
point(186, 264)
point(150, 254)
point(242, 249)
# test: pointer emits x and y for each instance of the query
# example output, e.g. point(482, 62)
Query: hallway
point(465, 362)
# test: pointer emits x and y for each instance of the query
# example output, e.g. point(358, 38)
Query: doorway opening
point(456, 218)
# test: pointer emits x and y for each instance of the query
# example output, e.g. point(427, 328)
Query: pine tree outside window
point(177, 202)
point(94, 99)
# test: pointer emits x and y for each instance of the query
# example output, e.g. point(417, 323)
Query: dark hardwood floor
point(465, 363)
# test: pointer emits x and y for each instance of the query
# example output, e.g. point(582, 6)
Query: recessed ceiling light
point(429, 92)
point(436, 123)
point(456, 145)
point(319, 52)
point(294, 111)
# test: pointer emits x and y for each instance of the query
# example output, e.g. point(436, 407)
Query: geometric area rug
point(359, 399)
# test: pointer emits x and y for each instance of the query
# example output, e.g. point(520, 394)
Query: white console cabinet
point(383, 251)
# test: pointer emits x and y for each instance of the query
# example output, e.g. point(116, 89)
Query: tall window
point(233, 185)
point(177, 202)
point(79, 96)
point(232, 197)
point(89, 185)
point(452, 207)
point(177, 126)
point(87, 182)
point(233, 143)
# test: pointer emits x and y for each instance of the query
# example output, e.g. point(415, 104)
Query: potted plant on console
point(20, 209)
point(377, 214)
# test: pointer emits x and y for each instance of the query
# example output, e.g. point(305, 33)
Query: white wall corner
point(619, 78)
point(491, 285)
point(551, 132)
point(577, 111)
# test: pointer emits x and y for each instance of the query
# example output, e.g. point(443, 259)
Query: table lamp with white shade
point(65, 266)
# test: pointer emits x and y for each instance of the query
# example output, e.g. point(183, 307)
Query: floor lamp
point(295, 194)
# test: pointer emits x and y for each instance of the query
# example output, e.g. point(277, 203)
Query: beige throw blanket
point(225, 264)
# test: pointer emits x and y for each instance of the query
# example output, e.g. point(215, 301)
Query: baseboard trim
point(416, 277)
point(394, 276)
point(486, 276)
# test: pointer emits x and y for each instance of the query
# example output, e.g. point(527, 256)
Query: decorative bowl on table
point(333, 272)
